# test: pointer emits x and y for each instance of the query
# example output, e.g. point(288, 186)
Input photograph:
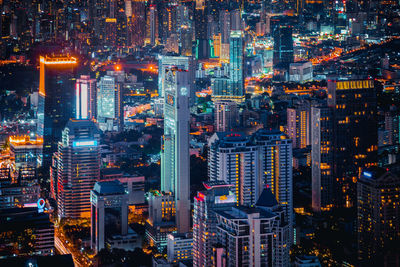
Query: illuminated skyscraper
point(85, 98)
point(236, 50)
point(226, 115)
point(234, 159)
point(56, 100)
point(322, 179)
point(109, 106)
point(283, 46)
point(175, 176)
point(216, 197)
point(184, 63)
point(298, 124)
point(78, 168)
point(354, 110)
point(277, 168)
point(378, 216)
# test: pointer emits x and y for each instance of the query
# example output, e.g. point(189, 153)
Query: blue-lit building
point(78, 168)
point(109, 104)
point(236, 44)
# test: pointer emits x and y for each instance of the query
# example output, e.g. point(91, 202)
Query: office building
point(378, 218)
point(85, 98)
point(354, 110)
point(392, 126)
point(175, 176)
point(216, 197)
point(323, 186)
point(226, 115)
point(19, 191)
point(27, 154)
point(283, 53)
point(30, 223)
point(254, 236)
point(109, 217)
point(236, 61)
point(234, 159)
point(276, 168)
point(179, 247)
point(56, 100)
point(298, 124)
point(109, 104)
point(300, 71)
point(152, 24)
point(78, 168)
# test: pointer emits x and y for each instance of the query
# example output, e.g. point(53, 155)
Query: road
point(61, 248)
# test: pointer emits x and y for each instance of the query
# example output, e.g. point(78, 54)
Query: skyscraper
point(276, 168)
point(254, 236)
point(298, 124)
point(236, 50)
point(56, 100)
point(322, 177)
point(226, 115)
point(354, 110)
point(109, 104)
point(283, 46)
point(175, 176)
point(184, 63)
point(233, 158)
point(378, 216)
point(216, 197)
point(85, 98)
point(78, 168)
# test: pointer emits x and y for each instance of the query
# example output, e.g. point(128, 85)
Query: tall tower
point(234, 159)
point(226, 115)
point(56, 100)
point(175, 171)
point(277, 168)
point(236, 46)
point(322, 179)
point(283, 46)
point(298, 124)
point(85, 98)
point(78, 168)
point(378, 216)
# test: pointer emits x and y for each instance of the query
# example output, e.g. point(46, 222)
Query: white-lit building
point(78, 168)
point(175, 176)
point(233, 158)
point(300, 71)
point(226, 115)
point(85, 98)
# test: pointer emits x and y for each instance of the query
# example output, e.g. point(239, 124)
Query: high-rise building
point(109, 217)
point(236, 20)
point(184, 63)
point(226, 115)
point(56, 100)
point(341, 147)
point(78, 168)
point(109, 104)
point(354, 110)
point(27, 154)
point(254, 236)
point(378, 216)
point(216, 197)
point(283, 46)
point(298, 124)
point(276, 168)
point(322, 177)
point(152, 24)
point(233, 158)
point(200, 21)
point(392, 126)
point(137, 23)
point(236, 61)
point(86, 98)
point(175, 176)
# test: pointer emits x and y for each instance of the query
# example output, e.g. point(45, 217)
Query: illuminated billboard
point(87, 143)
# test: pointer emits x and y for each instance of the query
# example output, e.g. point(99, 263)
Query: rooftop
point(109, 188)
